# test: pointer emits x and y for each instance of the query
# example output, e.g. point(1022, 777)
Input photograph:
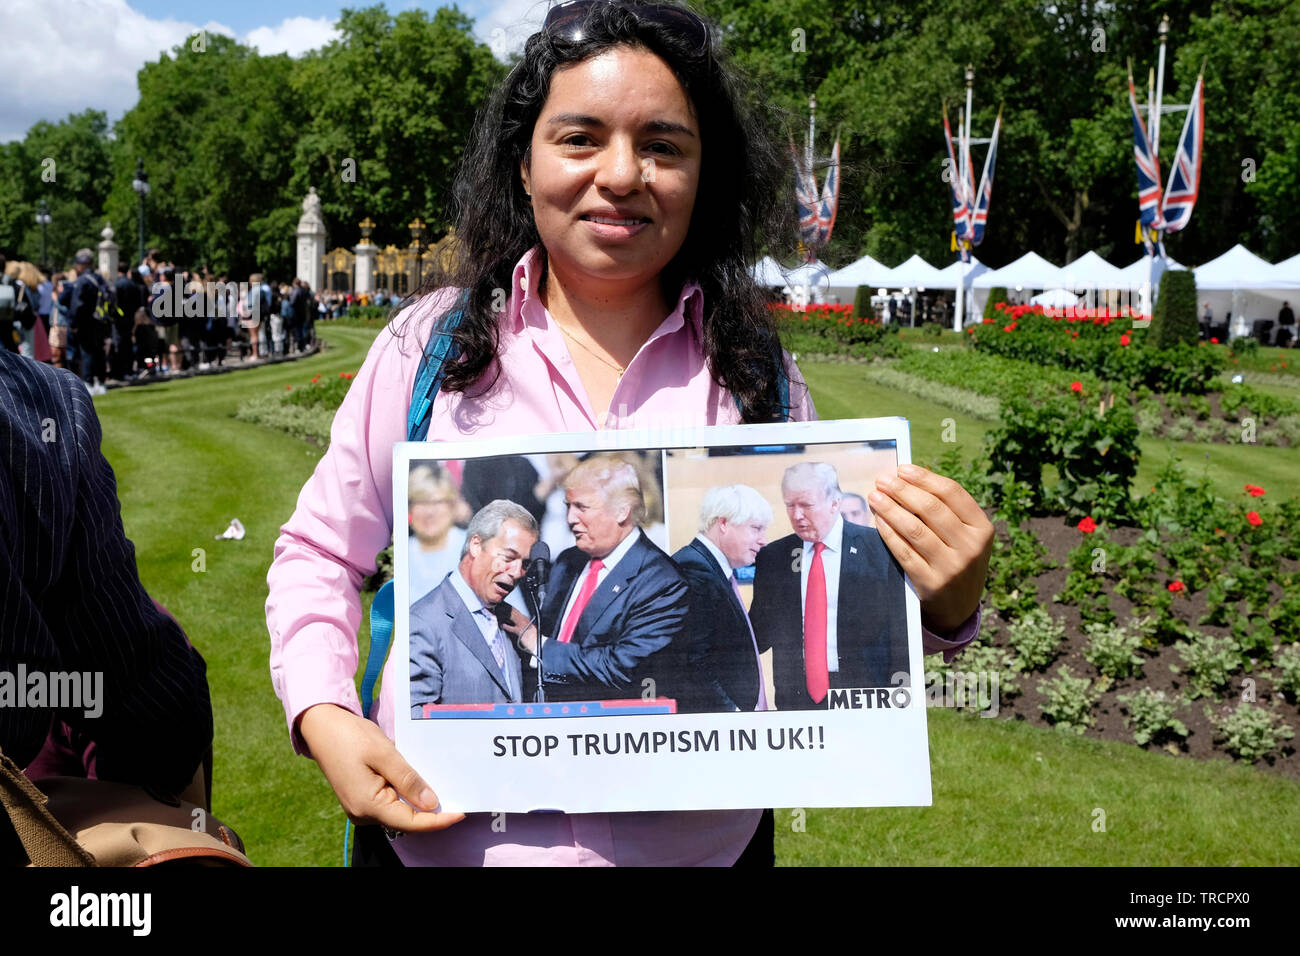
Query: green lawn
point(1004, 793)
point(185, 467)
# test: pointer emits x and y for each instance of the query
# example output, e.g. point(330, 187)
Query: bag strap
point(46, 841)
point(438, 351)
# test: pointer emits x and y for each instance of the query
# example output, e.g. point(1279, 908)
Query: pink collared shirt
point(344, 518)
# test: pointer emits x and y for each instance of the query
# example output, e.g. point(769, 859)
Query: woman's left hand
point(940, 537)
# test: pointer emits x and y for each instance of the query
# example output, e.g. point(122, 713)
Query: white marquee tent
point(1242, 284)
point(1091, 271)
point(915, 273)
point(1030, 271)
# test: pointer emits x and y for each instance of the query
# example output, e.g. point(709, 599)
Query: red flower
point(343, 374)
point(1074, 335)
point(1175, 586)
point(1076, 386)
point(1213, 340)
point(1007, 328)
point(1255, 491)
point(1254, 518)
point(288, 388)
point(1124, 339)
point(1087, 525)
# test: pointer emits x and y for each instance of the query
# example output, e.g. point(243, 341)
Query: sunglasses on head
point(566, 20)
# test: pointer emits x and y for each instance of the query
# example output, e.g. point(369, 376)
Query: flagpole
point(1155, 156)
point(963, 131)
point(812, 133)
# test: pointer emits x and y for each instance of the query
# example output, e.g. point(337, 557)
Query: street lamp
point(43, 219)
point(417, 238)
point(141, 185)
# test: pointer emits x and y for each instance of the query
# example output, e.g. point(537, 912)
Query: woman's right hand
point(368, 775)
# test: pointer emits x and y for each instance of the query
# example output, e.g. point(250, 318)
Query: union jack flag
point(985, 195)
point(1148, 168)
point(817, 214)
point(961, 223)
point(1185, 174)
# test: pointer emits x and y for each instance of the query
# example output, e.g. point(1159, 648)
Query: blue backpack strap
point(783, 394)
point(438, 351)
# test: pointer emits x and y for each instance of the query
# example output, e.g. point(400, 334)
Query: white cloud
point(65, 56)
point(294, 36)
point(507, 24)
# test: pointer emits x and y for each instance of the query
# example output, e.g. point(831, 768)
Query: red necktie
point(584, 596)
point(814, 629)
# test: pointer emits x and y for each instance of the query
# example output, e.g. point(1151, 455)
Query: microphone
point(539, 563)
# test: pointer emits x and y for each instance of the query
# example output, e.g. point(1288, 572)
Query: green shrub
point(1096, 456)
point(1013, 566)
point(1174, 321)
point(1244, 345)
point(1111, 648)
point(1150, 715)
point(1150, 416)
point(1250, 732)
point(1069, 701)
point(1036, 638)
point(987, 659)
point(309, 422)
point(1288, 662)
point(932, 330)
point(1208, 661)
point(862, 303)
point(996, 294)
point(1086, 585)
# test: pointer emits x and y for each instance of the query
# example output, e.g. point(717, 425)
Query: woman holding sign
point(610, 201)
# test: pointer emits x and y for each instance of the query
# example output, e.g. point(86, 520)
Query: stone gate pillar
point(311, 243)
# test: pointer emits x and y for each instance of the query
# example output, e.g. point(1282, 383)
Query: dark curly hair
point(744, 205)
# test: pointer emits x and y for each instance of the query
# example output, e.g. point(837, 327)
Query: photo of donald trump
point(829, 599)
point(615, 602)
point(459, 652)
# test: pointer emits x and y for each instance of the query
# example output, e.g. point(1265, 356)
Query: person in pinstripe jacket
point(71, 600)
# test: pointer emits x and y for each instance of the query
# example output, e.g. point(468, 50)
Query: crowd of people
point(154, 320)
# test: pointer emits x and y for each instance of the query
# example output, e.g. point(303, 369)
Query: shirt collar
point(526, 306)
point(834, 539)
point(614, 557)
point(718, 556)
point(472, 600)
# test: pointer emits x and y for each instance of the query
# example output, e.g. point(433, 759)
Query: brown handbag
point(72, 821)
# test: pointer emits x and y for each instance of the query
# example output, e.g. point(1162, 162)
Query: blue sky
point(243, 16)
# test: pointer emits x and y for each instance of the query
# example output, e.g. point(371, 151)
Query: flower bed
point(305, 411)
point(1181, 625)
point(834, 330)
point(1104, 345)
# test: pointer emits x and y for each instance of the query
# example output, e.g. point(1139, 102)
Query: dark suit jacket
point(511, 477)
point(721, 673)
point(71, 598)
point(450, 661)
point(625, 631)
point(871, 624)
